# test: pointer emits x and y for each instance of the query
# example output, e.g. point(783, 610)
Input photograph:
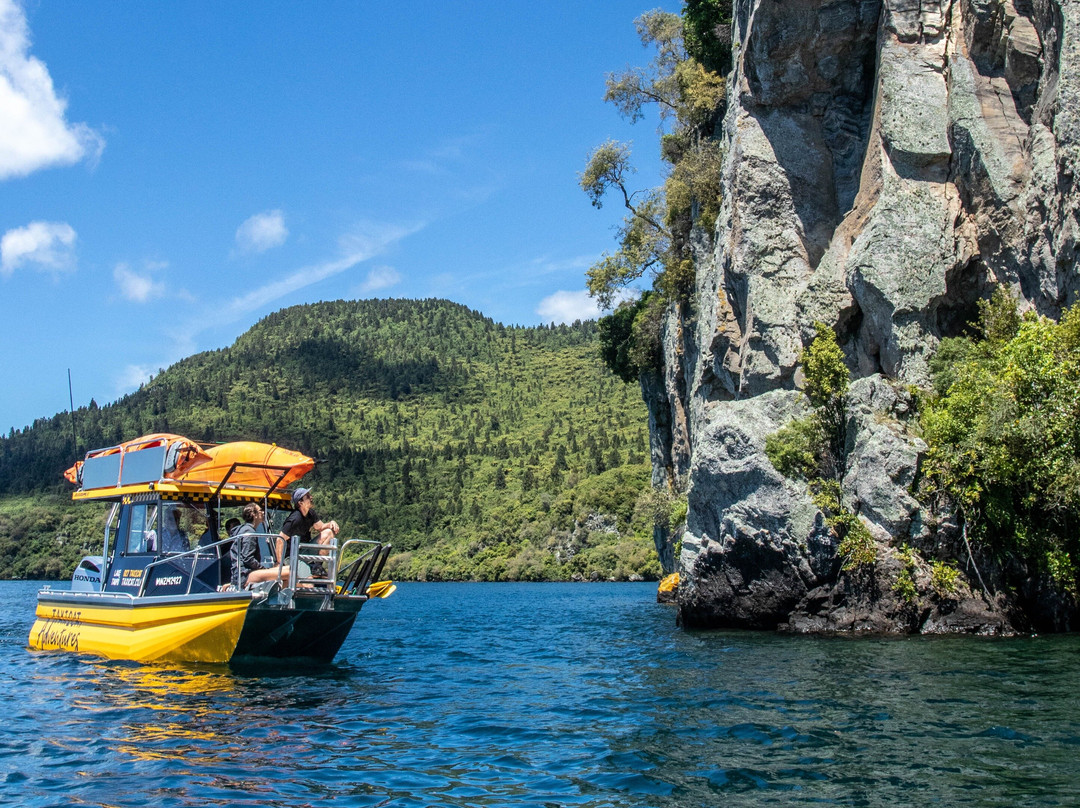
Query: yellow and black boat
point(155, 595)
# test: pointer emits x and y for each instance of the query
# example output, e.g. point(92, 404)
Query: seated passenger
point(173, 538)
point(227, 552)
point(209, 535)
point(245, 551)
point(302, 522)
point(144, 518)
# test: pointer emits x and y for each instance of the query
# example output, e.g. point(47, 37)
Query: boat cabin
point(166, 532)
point(159, 546)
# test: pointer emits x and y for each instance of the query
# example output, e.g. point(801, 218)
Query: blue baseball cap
point(299, 494)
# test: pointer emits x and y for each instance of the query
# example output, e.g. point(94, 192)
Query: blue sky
point(171, 173)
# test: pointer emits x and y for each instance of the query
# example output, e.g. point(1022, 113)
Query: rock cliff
point(888, 162)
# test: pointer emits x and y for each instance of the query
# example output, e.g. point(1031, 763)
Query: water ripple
point(547, 695)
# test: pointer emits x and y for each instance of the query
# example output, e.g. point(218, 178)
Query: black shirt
point(296, 524)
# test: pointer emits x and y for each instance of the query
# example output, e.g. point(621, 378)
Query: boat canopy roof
point(179, 468)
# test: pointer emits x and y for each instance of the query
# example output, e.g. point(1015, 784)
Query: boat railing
point(364, 569)
point(303, 558)
point(321, 561)
point(324, 572)
point(267, 544)
point(202, 551)
point(268, 557)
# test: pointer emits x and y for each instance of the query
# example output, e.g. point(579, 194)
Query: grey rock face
point(883, 460)
point(761, 545)
point(866, 602)
point(887, 163)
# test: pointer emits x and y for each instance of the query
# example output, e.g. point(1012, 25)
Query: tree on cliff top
point(684, 82)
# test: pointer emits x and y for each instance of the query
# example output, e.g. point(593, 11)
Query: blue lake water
point(552, 695)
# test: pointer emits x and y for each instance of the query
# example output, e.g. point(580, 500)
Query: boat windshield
point(142, 532)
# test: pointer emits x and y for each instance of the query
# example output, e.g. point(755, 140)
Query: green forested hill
point(479, 451)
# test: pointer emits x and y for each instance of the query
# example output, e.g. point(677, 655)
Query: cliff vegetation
point(1003, 429)
point(685, 85)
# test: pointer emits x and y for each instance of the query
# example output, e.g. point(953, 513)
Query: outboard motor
point(87, 576)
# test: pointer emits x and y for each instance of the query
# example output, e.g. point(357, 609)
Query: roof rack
point(175, 467)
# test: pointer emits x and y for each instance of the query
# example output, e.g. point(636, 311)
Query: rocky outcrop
point(887, 163)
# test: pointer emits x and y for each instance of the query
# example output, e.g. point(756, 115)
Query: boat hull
point(190, 628)
point(215, 627)
point(295, 633)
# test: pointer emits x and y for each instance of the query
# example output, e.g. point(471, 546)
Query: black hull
point(294, 633)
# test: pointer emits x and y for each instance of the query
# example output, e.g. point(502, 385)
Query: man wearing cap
point(302, 521)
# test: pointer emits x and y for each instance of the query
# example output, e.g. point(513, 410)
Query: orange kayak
point(217, 462)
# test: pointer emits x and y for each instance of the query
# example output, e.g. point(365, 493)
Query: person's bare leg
point(258, 576)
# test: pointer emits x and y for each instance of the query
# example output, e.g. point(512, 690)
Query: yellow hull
point(189, 629)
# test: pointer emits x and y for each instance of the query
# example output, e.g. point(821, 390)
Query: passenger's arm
point(249, 553)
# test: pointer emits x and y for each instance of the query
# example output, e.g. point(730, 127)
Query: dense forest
point(480, 451)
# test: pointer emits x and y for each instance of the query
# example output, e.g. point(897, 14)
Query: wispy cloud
point(35, 133)
point(550, 266)
point(363, 243)
point(262, 232)
point(423, 166)
point(459, 168)
point(442, 157)
point(518, 275)
point(381, 277)
point(131, 377)
point(566, 307)
point(49, 245)
point(138, 287)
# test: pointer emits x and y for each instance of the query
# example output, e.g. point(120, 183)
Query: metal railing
point(295, 552)
point(319, 558)
point(195, 554)
point(323, 562)
point(267, 547)
point(360, 572)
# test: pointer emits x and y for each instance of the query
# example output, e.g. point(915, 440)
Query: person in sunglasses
point(303, 522)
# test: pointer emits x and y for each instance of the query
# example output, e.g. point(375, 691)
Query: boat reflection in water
point(153, 597)
point(192, 712)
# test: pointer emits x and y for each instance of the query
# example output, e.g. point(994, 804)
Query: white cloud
point(35, 133)
point(262, 232)
point(136, 287)
point(361, 244)
point(50, 245)
point(565, 307)
point(132, 376)
point(381, 277)
point(551, 266)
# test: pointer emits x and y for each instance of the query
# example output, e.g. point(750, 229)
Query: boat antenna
point(71, 401)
